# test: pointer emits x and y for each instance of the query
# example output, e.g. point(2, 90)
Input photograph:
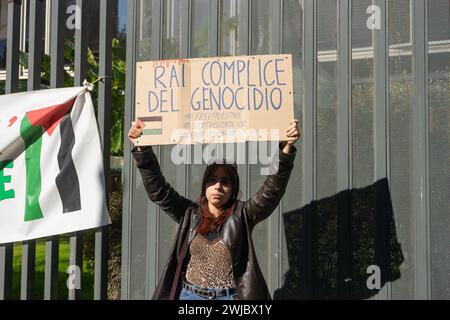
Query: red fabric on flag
point(50, 117)
point(11, 121)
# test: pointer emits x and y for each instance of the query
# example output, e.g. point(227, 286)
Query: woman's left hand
point(293, 134)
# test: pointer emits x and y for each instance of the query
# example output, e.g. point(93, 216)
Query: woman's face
point(218, 188)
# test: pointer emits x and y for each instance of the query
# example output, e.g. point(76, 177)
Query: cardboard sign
point(209, 100)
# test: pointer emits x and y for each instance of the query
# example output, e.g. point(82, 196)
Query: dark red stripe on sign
point(150, 119)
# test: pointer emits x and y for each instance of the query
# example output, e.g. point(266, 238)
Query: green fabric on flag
point(5, 194)
point(32, 137)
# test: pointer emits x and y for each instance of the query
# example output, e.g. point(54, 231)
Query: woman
point(213, 255)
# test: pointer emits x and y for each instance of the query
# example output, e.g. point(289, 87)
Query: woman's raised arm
point(158, 189)
point(264, 202)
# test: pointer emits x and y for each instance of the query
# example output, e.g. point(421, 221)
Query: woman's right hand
point(136, 130)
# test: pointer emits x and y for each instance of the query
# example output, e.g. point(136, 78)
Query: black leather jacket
point(235, 231)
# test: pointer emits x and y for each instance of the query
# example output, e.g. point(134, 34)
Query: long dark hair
point(209, 222)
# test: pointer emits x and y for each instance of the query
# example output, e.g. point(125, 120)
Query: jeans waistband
point(208, 292)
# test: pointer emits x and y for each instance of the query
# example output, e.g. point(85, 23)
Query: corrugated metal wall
point(371, 181)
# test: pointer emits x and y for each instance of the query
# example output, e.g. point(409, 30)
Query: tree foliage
point(118, 83)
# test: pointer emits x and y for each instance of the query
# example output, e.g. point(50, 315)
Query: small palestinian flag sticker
point(153, 126)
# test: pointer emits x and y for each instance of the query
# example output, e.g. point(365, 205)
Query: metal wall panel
point(290, 283)
point(438, 96)
point(309, 148)
point(420, 164)
point(104, 120)
point(128, 171)
point(400, 139)
point(347, 206)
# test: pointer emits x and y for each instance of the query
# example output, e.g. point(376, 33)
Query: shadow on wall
point(332, 242)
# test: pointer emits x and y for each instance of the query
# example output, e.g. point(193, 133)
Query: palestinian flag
point(51, 165)
point(153, 125)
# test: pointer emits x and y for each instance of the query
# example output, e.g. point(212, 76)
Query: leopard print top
point(210, 265)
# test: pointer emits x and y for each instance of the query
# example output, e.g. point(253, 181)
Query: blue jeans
point(187, 295)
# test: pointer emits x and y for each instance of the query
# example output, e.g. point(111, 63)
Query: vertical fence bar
point(381, 135)
point(48, 8)
point(157, 32)
point(81, 43)
point(274, 236)
point(76, 240)
point(28, 269)
point(309, 184)
point(183, 172)
point(56, 81)
point(104, 120)
point(12, 85)
point(277, 26)
point(244, 48)
point(128, 173)
point(6, 270)
point(186, 22)
point(12, 47)
point(57, 43)
point(36, 29)
point(214, 29)
point(23, 23)
point(344, 140)
point(420, 151)
point(152, 209)
point(76, 259)
point(182, 175)
point(51, 268)
point(245, 22)
point(213, 35)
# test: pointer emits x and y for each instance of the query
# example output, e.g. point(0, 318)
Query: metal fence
point(57, 12)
